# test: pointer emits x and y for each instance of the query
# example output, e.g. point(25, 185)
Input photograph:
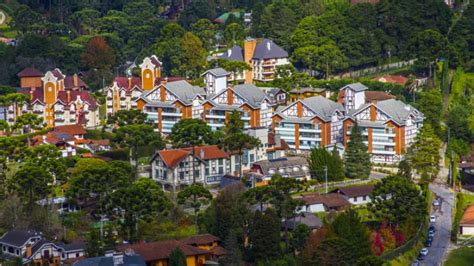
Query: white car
point(435, 202)
point(424, 251)
point(432, 219)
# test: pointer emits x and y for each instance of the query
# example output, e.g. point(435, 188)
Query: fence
point(341, 183)
point(373, 70)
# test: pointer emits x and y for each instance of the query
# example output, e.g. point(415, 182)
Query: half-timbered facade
point(389, 127)
point(251, 101)
point(308, 123)
point(169, 102)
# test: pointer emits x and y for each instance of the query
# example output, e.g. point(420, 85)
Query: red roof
point(154, 60)
point(396, 79)
point(70, 129)
point(468, 216)
point(30, 72)
point(122, 82)
point(210, 152)
point(376, 96)
point(57, 73)
point(37, 93)
point(69, 83)
point(171, 158)
point(204, 239)
point(160, 250)
point(74, 94)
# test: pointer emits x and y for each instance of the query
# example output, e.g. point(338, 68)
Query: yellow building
point(303, 93)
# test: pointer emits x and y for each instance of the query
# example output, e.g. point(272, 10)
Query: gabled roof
point(322, 106)
point(69, 83)
point(75, 94)
point(172, 158)
point(396, 79)
point(284, 163)
point(160, 250)
point(204, 239)
point(30, 72)
point(252, 94)
point(18, 238)
point(355, 87)
point(267, 49)
point(235, 53)
point(57, 73)
point(397, 110)
point(70, 129)
point(128, 260)
point(376, 96)
point(184, 91)
point(218, 72)
point(73, 246)
point(355, 191)
point(468, 216)
point(331, 200)
point(123, 82)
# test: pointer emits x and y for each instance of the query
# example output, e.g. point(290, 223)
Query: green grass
point(365, 215)
point(462, 83)
point(461, 257)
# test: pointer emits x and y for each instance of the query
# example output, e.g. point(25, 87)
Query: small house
point(466, 226)
point(356, 195)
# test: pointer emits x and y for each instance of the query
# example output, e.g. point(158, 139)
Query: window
point(77, 255)
point(355, 199)
point(252, 158)
point(207, 171)
point(181, 175)
point(364, 198)
point(221, 170)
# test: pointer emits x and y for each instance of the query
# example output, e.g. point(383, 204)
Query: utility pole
point(326, 177)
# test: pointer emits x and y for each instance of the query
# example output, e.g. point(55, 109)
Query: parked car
point(432, 219)
point(432, 228)
point(428, 242)
point(420, 257)
point(424, 251)
point(435, 202)
point(431, 234)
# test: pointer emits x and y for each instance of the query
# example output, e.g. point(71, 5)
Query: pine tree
point(357, 158)
point(423, 154)
point(265, 236)
point(319, 159)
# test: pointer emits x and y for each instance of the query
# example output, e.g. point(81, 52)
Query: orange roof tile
point(171, 158)
point(397, 79)
point(468, 216)
point(210, 152)
point(71, 129)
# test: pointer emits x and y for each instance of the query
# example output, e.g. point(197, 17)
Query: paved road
point(377, 175)
point(441, 241)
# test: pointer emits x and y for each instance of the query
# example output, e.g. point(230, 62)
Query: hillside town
point(209, 132)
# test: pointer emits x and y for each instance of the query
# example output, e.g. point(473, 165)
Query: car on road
point(432, 219)
point(436, 202)
point(431, 234)
point(424, 251)
point(428, 242)
point(432, 228)
point(420, 257)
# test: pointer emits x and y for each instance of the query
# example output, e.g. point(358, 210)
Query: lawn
point(461, 257)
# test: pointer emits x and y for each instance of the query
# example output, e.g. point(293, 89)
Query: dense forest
point(102, 38)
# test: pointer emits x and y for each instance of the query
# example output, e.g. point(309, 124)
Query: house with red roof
point(174, 168)
point(57, 98)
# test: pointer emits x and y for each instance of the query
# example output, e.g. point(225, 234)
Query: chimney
point(68, 93)
point(129, 82)
point(202, 154)
point(249, 49)
point(75, 80)
point(28, 250)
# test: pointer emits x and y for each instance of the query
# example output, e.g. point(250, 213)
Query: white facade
point(265, 70)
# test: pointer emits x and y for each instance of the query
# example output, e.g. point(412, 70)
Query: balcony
point(37, 111)
point(59, 119)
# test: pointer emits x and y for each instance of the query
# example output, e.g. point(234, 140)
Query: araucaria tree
point(397, 199)
point(196, 195)
point(423, 154)
point(135, 136)
point(235, 139)
point(356, 157)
